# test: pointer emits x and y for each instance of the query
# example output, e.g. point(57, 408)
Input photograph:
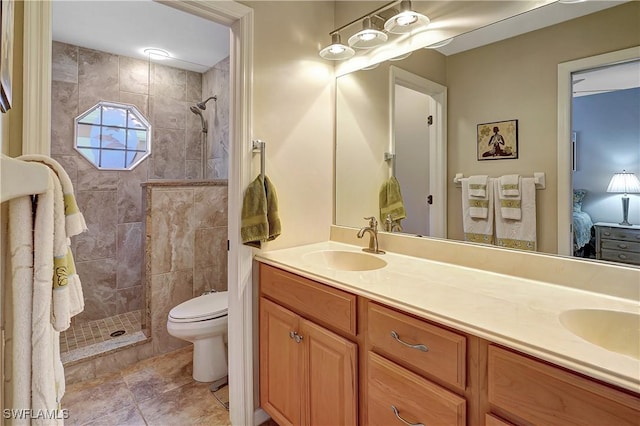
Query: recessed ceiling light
point(156, 53)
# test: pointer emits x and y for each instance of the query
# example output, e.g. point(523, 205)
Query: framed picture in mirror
point(498, 140)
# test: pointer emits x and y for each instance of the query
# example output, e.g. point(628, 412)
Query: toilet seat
point(202, 308)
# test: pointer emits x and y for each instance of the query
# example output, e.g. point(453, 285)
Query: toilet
point(203, 321)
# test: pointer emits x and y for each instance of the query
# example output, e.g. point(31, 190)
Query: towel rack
point(538, 177)
point(20, 178)
point(391, 157)
point(260, 146)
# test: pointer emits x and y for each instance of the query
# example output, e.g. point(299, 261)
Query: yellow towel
point(391, 201)
point(259, 220)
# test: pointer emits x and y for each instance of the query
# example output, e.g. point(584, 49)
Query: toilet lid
point(207, 306)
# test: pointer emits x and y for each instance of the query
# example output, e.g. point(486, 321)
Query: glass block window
point(113, 136)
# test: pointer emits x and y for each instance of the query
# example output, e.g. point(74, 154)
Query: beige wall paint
point(517, 79)
point(293, 104)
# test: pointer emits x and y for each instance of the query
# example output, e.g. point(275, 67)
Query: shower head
point(197, 111)
point(203, 105)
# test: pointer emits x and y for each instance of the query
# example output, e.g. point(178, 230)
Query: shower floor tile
point(81, 335)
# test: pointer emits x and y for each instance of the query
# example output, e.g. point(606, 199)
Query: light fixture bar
point(375, 12)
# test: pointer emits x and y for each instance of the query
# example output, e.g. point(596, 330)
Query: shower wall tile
point(64, 109)
point(167, 113)
point(99, 210)
point(100, 296)
point(97, 77)
point(169, 83)
point(167, 291)
point(139, 100)
point(211, 251)
point(68, 163)
point(172, 228)
point(91, 178)
point(193, 135)
point(168, 155)
point(129, 255)
point(193, 169)
point(130, 192)
point(194, 87)
point(64, 62)
point(211, 206)
point(128, 299)
point(134, 75)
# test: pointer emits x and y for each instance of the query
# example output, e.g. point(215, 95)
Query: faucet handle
point(373, 223)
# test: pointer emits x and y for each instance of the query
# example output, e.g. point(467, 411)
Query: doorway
point(418, 140)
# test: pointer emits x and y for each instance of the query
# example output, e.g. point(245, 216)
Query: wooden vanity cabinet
point(524, 391)
point(308, 372)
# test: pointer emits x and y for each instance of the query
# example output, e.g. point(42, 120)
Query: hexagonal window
point(113, 136)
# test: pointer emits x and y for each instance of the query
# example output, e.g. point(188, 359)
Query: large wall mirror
point(512, 78)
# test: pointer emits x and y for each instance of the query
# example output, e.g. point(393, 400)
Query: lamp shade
point(369, 36)
point(406, 20)
point(336, 51)
point(624, 182)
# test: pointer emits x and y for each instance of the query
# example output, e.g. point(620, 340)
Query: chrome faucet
point(391, 225)
point(372, 229)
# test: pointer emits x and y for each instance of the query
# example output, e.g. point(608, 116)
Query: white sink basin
point(345, 260)
point(612, 330)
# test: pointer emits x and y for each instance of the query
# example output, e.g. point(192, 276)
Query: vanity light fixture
point(403, 20)
point(368, 37)
point(625, 183)
point(336, 50)
point(406, 20)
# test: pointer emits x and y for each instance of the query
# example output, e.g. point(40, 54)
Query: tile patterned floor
point(156, 391)
point(92, 332)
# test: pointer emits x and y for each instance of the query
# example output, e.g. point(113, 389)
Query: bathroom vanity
point(345, 339)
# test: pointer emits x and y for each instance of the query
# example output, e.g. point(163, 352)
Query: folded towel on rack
point(519, 234)
point(260, 221)
point(510, 205)
point(509, 186)
point(477, 230)
point(478, 186)
point(391, 203)
point(67, 297)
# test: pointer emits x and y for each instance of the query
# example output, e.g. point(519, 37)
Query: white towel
point(68, 299)
point(510, 186)
point(520, 234)
point(478, 230)
point(510, 205)
point(478, 186)
point(37, 374)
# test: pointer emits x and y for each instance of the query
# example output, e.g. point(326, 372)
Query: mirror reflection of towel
point(260, 221)
point(391, 203)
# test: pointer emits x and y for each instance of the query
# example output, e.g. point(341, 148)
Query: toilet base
point(219, 383)
point(209, 359)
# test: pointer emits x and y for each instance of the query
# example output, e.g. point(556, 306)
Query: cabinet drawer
point(416, 399)
point(620, 256)
point(332, 307)
point(445, 353)
point(619, 234)
point(538, 393)
point(621, 245)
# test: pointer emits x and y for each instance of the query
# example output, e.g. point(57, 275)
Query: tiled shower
point(110, 257)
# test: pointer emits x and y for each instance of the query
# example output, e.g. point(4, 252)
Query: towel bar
point(539, 179)
point(260, 146)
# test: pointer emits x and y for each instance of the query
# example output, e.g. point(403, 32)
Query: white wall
point(293, 111)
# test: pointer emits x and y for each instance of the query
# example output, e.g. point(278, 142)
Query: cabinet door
point(280, 384)
point(330, 365)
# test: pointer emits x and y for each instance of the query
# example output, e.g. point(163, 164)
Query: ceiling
point(127, 27)
point(607, 79)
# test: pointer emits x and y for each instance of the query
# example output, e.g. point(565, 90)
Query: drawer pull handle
point(622, 256)
point(395, 411)
point(422, 348)
point(295, 336)
point(623, 246)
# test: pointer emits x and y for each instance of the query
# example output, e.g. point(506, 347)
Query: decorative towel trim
point(478, 203)
point(478, 238)
point(477, 186)
point(516, 244)
point(510, 187)
point(510, 204)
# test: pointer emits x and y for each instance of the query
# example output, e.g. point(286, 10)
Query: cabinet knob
point(419, 347)
point(295, 336)
point(623, 246)
point(395, 411)
point(622, 256)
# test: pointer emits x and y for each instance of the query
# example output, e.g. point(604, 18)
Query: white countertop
point(518, 313)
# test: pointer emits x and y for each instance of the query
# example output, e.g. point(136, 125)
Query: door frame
point(565, 96)
point(437, 134)
point(37, 136)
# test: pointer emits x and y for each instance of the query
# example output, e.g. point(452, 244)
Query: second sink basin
point(341, 260)
point(612, 330)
